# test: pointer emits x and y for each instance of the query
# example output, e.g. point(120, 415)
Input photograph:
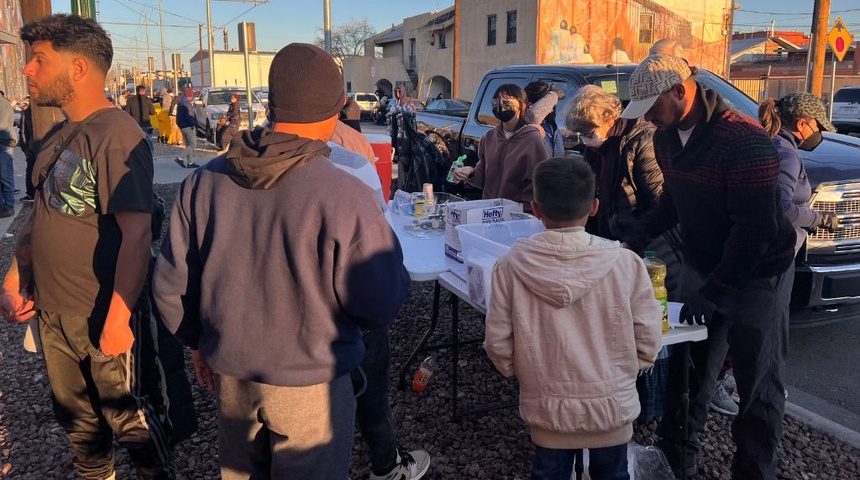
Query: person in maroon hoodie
point(508, 153)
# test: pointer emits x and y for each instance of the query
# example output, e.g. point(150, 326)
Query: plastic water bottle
point(458, 164)
point(657, 272)
point(422, 376)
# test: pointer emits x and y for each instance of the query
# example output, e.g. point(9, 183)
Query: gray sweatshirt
point(275, 260)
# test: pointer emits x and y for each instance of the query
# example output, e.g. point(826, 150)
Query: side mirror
point(199, 103)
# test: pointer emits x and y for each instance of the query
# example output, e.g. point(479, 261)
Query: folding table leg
point(685, 405)
point(434, 317)
point(455, 355)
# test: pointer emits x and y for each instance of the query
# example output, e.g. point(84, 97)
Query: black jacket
point(140, 108)
point(629, 181)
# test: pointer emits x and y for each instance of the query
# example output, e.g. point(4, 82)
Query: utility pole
point(327, 25)
point(200, 53)
point(161, 26)
point(211, 43)
point(818, 45)
point(148, 52)
point(44, 118)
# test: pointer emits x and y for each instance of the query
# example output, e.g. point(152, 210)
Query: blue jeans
point(189, 136)
point(7, 178)
point(373, 412)
point(609, 463)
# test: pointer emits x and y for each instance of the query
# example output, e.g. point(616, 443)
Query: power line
point(757, 12)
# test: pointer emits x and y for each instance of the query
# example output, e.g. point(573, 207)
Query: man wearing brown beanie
point(275, 262)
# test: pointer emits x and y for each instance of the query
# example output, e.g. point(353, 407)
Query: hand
point(204, 374)
point(463, 173)
point(559, 92)
point(699, 309)
point(117, 337)
point(15, 307)
point(829, 221)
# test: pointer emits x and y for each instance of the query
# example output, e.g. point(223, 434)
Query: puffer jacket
point(629, 181)
point(573, 316)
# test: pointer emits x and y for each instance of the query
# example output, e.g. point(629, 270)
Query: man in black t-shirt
point(84, 252)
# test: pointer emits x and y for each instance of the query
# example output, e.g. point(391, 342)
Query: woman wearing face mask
point(621, 153)
point(508, 153)
point(795, 122)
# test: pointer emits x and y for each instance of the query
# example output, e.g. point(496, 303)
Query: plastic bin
point(483, 244)
point(381, 145)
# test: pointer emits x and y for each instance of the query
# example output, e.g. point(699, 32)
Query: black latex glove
point(829, 221)
point(559, 92)
point(698, 309)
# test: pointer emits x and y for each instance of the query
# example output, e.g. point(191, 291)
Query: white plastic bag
point(647, 462)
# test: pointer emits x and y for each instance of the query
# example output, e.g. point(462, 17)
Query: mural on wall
point(622, 31)
point(12, 81)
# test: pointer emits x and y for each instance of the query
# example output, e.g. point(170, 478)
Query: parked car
point(827, 276)
point(365, 101)
point(846, 109)
point(449, 106)
point(212, 104)
point(262, 93)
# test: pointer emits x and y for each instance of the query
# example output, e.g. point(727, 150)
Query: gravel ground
point(490, 446)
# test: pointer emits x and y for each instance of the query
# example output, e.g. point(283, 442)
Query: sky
point(280, 22)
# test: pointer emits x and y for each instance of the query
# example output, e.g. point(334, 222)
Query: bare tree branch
point(347, 40)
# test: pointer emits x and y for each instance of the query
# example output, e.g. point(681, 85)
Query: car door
point(569, 86)
point(481, 118)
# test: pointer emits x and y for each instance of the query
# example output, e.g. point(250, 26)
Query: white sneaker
point(721, 401)
point(410, 466)
point(732, 386)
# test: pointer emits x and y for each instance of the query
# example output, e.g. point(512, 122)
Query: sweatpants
point(96, 397)
point(276, 432)
point(752, 324)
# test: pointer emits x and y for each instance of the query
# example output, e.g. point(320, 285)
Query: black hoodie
point(274, 262)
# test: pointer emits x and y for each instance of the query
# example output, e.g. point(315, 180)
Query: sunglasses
point(587, 135)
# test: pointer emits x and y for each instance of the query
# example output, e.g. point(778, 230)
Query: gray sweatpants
point(269, 431)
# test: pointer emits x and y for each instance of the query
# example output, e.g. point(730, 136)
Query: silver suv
point(846, 109)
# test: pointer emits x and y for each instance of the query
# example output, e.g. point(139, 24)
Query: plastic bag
point(647, 463)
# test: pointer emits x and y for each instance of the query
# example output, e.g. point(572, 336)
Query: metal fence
point(776, 87)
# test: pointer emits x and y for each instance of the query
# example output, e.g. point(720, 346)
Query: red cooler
point(382, 149)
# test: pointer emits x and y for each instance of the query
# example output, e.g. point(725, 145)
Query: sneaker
point(7, 212)
point(180, 161)
point(721, 401)
point(732, 386)
point(192, 165)
point(410, 466)
point(26, 199)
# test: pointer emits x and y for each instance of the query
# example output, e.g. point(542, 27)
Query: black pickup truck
point(827, 278)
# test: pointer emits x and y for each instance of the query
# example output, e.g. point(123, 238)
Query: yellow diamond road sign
point(839, 39)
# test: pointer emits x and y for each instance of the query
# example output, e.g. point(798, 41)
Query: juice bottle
point(657, 272)
point(422, 376)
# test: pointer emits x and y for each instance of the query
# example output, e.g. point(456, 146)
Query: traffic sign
point(839, 39)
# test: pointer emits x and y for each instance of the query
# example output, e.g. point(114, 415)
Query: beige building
point(418, 53)
point(230, 68)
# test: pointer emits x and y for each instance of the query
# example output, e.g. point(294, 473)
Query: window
point(442, 39)
point(512, 27)
point(646, 28)
point(491, 30)
point(485, 112)
point(348, 86)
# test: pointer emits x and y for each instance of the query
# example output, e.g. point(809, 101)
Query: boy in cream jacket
point(573, 316)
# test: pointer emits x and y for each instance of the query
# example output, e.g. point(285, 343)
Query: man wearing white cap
point(720, 184)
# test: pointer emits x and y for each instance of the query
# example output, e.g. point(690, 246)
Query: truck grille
point(844, 200)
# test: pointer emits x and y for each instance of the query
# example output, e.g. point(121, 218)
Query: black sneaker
point(7, 212)
point(192, 165)
point(26, 199)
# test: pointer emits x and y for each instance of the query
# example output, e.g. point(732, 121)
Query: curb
point(816, 421)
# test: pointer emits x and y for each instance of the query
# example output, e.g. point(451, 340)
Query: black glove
point(829, 221)
point(559, 92)
point(697, 309)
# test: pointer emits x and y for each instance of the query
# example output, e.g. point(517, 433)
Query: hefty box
point(475, 211)
point(483, 244)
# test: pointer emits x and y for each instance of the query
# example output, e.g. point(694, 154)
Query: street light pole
point(327, 26)
point(211, 44)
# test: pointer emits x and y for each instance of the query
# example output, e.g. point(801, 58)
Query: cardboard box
point(475, 211)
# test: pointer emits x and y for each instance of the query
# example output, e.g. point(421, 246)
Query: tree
point(347, 40)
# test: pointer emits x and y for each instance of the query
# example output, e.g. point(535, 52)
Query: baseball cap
point(805, 105)
point(655, 75)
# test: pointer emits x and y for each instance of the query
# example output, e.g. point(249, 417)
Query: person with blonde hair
point(795, 122)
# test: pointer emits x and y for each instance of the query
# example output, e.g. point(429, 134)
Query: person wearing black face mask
point(795, 122)
point(508, 153)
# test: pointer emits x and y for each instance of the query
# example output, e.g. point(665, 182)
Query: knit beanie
point(305, 85)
